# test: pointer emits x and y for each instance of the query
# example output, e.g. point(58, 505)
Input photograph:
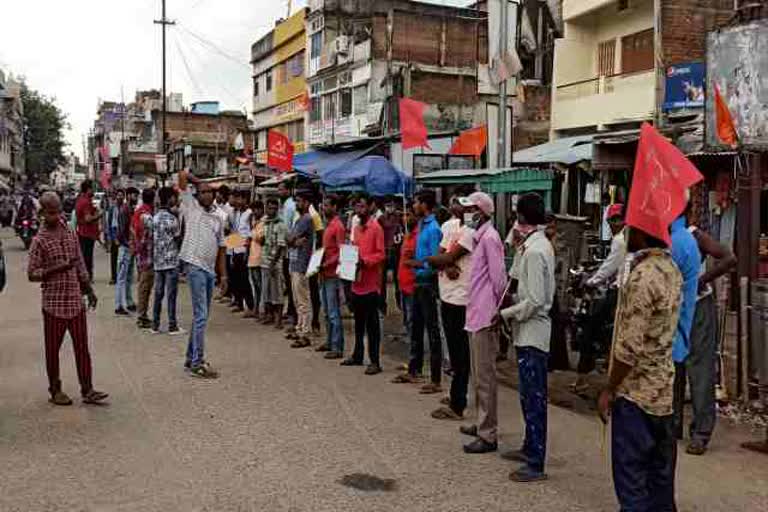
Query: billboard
point(685, 86)
point(737, 61)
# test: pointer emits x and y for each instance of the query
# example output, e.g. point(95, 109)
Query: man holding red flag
point(639, 395)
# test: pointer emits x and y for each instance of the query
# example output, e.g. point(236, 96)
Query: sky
point(84, 51)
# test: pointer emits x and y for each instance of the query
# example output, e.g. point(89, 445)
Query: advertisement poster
point(685, 86)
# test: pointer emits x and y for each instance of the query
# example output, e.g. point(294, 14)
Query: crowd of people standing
point(280, 263)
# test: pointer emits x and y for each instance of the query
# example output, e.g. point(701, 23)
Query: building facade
point(279, 84)
point(11, 132)
point(612, 65)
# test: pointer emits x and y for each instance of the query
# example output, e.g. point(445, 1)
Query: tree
point(44, 124)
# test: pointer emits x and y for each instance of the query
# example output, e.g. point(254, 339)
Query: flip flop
point(94, 397)
point(446, 413)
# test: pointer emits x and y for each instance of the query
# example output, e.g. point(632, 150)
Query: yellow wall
point(290, 28)
point(590, 104)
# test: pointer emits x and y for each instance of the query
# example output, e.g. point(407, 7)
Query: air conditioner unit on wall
point(622, 5)
point(342, 45)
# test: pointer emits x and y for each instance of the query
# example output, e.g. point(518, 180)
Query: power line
point(191, 76)
point(213, 47)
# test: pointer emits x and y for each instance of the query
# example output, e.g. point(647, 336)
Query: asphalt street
point(281, 430)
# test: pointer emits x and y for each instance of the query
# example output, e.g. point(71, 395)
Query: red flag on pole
point(279, 151)
point(412, 126)
point(659, 184)
point(471, 142)
point(726, 129)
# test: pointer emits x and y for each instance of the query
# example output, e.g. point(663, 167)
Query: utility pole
point(164, 22)
point(502, 117)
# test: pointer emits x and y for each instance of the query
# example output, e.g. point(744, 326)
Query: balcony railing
point(600, 85)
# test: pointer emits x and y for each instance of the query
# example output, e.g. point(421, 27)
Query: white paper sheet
point(348, 259)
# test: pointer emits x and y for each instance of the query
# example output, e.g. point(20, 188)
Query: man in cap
point(639, 395)
point(608, 272)
point(488, 280)
point(532, 327)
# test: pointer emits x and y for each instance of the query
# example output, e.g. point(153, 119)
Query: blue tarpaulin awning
point(314, 164)
point(373, 174)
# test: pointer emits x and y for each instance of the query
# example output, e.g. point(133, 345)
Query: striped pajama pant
point(55, 329)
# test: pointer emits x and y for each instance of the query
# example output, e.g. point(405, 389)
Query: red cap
point(615, 210)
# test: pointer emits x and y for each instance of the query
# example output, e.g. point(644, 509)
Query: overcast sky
point(81, 51)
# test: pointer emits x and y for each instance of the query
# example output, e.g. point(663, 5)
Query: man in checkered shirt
point(56, 262)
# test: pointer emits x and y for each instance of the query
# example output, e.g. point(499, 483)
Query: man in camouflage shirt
point(641, 380)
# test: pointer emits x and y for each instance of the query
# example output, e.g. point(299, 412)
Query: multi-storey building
point(279, 84)
point(616, 56)
point(11, 131)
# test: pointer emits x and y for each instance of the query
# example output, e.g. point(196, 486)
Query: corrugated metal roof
point(568, 151)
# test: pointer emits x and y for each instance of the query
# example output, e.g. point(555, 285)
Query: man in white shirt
point(240, 224)
point(202, 254)
point(453, 281)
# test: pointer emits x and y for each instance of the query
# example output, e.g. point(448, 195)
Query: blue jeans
point(330, 293)
point(166, 281)
point(644, 453)
point(201, 285)
point(124, 286)
point(533, 365)
point(407, 307)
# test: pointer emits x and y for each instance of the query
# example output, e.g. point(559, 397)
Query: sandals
point(94, 397)
point(430, 389)
point(446, 413)
point(301, 343)
point(60, 398)
point(403, 378)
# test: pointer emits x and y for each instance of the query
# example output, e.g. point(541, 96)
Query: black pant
point(425, 317)
point(314, 295)
point(291, 311)
point(366, 322)
point(86, 247)
point(681, 379)
point(114, 247)
point(240, 284)
point(644, 453)
point(454, 320)
point(391, 263)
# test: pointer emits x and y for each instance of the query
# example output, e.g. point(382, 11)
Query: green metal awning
point(493, 181)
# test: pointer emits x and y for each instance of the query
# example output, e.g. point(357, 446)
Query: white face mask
point(472, 220)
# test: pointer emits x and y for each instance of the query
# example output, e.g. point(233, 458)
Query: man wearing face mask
point(392, 224)
point(532, 328)
point(453, 282)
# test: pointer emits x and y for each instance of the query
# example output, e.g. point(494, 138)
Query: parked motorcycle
point(591, 316)
point(26, 229)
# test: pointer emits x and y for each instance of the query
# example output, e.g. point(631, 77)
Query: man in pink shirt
point(487, 284)
point(369, 239)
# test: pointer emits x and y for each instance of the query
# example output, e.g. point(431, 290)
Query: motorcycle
point(26, 230)
point(591, 315)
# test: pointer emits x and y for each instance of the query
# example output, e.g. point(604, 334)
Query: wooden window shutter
point(637, 52)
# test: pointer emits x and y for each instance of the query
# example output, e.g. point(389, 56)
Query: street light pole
point(164, 22)
point(502, 117)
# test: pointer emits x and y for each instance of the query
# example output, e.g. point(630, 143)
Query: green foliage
point(44, 124)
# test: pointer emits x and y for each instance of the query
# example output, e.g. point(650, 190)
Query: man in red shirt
point(332, 289)
point(87, 224)
point(55, 261)
point(369, 239)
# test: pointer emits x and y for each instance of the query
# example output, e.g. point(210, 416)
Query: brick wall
point(532, 121)
point(434, 88)
point(685, 24)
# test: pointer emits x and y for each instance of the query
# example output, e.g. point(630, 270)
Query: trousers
point(644, 453)
point(485, 347)
point(425, 318)
point(166, 285)
point(145, 286)
point(124, 286)
point(86, 247)
point(240, 283)
point(301, 299)
point(366, 309)
point(201, 285)
point(454, 319)
point(54, 330)
point(331, 292)
point(533, 366)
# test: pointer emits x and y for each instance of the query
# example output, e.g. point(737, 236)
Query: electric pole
point(164, 22)
point(502, 117)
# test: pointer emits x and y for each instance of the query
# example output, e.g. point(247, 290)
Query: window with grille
point(360, 99)
point(269, 80)
point(315, 109)
point(606, 58)
point(637, 52)
point(256, 86)
point(346, 102)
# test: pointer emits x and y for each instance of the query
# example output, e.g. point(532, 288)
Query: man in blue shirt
point(426, 295)
point(686, 255)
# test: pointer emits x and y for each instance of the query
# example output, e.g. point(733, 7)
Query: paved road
point(278, 432)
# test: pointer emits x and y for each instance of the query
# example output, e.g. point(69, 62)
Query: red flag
point(105, 177)
point(471, 142)
point(279, 151)
point(726, 130)
point(661, 178)
point(412, 127)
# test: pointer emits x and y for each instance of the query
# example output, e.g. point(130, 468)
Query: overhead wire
point(213, 47)
point(190, 74)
